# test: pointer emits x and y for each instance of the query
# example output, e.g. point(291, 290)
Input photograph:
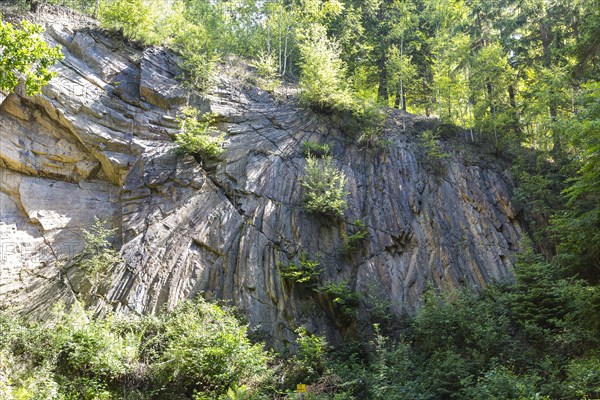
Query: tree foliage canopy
point(25, 57)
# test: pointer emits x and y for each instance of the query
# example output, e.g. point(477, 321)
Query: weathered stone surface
point(157, 82)
point(98, 142)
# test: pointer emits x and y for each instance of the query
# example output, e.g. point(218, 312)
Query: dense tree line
point(509, 71)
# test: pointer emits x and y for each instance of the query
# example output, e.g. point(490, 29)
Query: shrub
point(197, 136)
point(311, 355)
point(352, 242)
point(389, 369)
point(98, 255)
point(199, 58)
point(344, 299)
point(38, 384)
point(133, 17)
point(6, 373)
point(322, 78)
point(584, 377)
point(324, 184)
point(305, 271)
point(434, 152)
point(365, 121)
point(198, 348)
point(459, 321)
point(266, 67)
point(204, 348)
point(93, 348)
point(71, 355)
point(25, 55)
point(315, 149)
point(150, 22)
point(502, 383)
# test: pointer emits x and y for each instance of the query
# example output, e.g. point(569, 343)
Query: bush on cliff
point(25, 57)
point(197, 135)
point(325, 187)
point(325, 87)
point(98, 255)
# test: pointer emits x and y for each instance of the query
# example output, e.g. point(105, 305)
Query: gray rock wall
point(99, 143)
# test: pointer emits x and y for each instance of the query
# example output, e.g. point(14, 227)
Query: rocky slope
point(99, 143)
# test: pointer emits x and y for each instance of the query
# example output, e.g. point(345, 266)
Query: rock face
point(99, 143)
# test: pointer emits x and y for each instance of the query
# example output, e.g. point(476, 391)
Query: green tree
point(25, 57)
point(323, 75)
point(368, 31)
point(198, 136)
point(267, 70)
point(402, 72)
point(151, 22)
point(281, 31)
point(231, 26)
point(587, 48)
point(491, 77)
point(325, 187)
point(98, 255)
point(199, 56)
point(134, 18)
point(578, 226)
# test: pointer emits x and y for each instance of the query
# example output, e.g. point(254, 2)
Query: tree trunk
point(402, 99)
point(490, 90)
point(280, 44)
point(382, 92)
point(511, 96)
point(546, 37)
point(268, 38)
point(556, 141)
point(285, 52)
point(513, 105)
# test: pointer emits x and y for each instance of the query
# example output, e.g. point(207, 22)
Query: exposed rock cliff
point(99, 143)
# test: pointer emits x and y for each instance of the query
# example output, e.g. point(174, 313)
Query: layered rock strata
point(98, 143)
